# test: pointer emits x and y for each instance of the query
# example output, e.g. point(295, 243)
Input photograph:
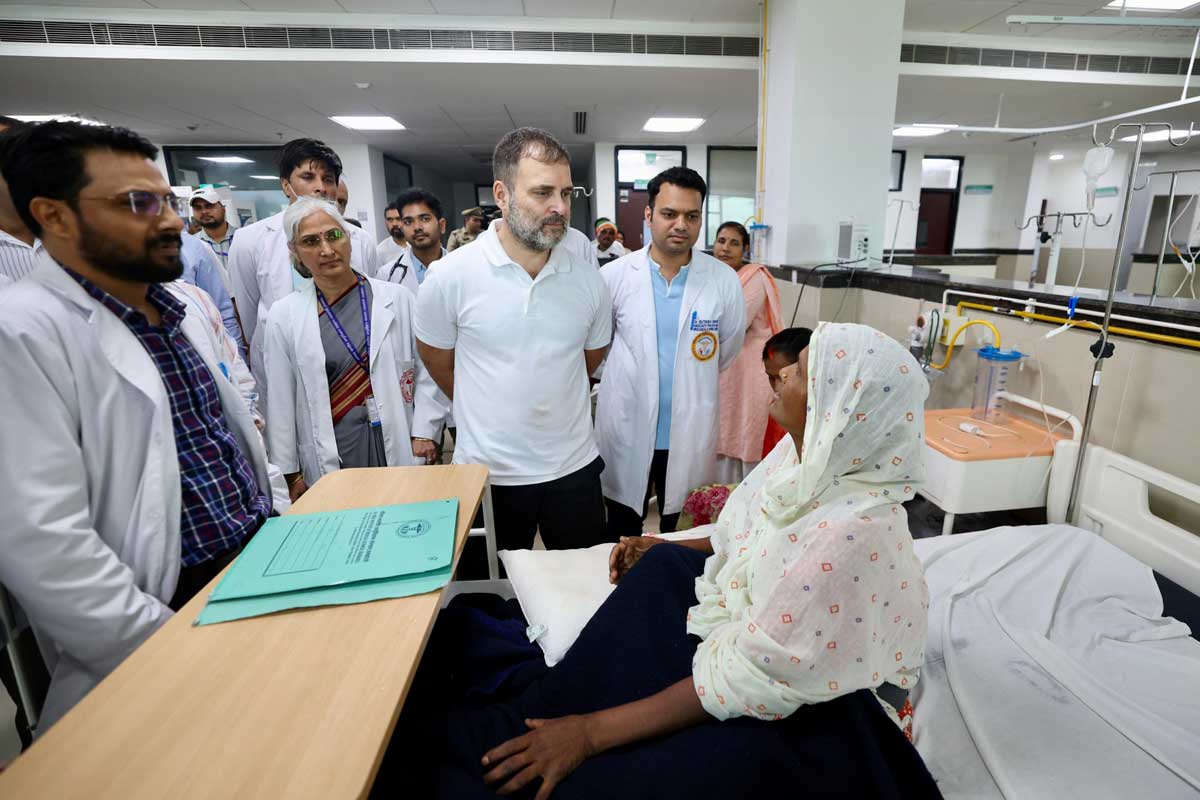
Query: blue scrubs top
point(668, 302)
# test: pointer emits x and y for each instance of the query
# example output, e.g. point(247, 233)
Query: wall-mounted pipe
point(1082, 323)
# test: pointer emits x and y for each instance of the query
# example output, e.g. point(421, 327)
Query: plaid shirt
point(222, 505)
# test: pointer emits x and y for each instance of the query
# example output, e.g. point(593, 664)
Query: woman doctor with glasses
point(345, 385)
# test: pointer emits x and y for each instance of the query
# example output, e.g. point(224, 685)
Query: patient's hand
point(627, 552)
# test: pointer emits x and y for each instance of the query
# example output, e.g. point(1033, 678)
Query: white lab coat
point(627, 407)
point(261, 273)
point(403, 271)
point(300, 432)
point(90, 537)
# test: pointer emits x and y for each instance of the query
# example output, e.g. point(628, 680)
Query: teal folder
point(336, 558)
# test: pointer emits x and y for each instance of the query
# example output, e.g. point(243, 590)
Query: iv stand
point(1098, 367)
point(1055, 240)
point(1167, 224)
point(896, 230)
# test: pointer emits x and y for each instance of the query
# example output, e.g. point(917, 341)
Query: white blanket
point(1050, 672)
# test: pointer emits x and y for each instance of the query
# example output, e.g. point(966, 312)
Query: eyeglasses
point(147, 204)
point(313, 241)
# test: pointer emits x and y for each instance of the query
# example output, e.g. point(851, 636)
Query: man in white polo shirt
point(510, 326)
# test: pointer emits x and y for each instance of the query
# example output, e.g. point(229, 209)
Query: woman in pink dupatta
point(745, 392)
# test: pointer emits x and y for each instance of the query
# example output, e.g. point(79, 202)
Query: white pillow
point(560, 590)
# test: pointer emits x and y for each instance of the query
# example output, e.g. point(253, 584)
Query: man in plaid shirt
point(135, 471)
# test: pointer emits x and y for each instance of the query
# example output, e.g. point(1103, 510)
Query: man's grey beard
point(529, 232)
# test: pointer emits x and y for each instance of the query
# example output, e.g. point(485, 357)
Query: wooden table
point(293, 705)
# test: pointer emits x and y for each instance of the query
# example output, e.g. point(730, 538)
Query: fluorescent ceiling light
point(672, 124)
point(226, 159)
point(942, 125)
point(1152, 5)
point(1057, 156)
point(55, 118)
point(265, 177)
point(369, 123)
point(1151, 136)
point(919, 130)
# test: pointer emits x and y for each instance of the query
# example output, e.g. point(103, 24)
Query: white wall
point(1065, 190)
point(985, 221)
point(362, 167)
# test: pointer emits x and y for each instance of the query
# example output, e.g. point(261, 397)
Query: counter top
point(930, 284)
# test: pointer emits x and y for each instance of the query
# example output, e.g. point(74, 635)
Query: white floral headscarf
point(813, 590)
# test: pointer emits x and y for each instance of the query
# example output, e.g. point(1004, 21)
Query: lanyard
point(363, 359)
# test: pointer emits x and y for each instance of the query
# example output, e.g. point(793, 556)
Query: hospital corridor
point(588, 399)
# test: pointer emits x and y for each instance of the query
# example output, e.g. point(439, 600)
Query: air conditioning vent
point(14, 30)
point(997, 58)
point(573, 42)
point(69, 33)
point(352, 39)
point(665, 45)
point(411, 40)
point(703, 45)
point(266, 37)
point(309, 38)
point(129, 34)
point(1103, 63)
point(222, 36)
point(580, 123)
point(740, 46)
point(613, 42)
point(177, 35)
point(1167, 66)
point(492, 40)
point(930, 54)
point(1024, 59)
point(451, 40)
point(1060, 61)
point(537, 41)
point(1136, 64)
point(964, 56)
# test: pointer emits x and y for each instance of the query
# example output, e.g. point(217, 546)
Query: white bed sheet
point(1050, 672)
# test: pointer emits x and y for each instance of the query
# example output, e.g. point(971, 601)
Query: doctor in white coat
point(260, 266)
point(678, 319)
point(330, 404)
point(97, 517)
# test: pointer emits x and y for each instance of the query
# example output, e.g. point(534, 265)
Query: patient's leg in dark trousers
point(637, 645)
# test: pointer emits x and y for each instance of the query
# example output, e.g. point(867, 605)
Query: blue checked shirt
point(222, 505)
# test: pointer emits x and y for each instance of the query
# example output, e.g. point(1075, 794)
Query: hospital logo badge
point(413, 529)
point(704, 346)
point(408, 386)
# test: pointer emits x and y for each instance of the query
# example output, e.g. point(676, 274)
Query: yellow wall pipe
point(954, 338)
point(1084, 323)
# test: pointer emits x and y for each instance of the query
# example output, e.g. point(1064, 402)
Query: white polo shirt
point(520, 382)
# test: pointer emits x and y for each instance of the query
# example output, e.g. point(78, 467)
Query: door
point(935, 222)
point(631, 212)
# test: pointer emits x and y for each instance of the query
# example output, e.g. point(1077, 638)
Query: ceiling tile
point(576, 9)
point(480, 8)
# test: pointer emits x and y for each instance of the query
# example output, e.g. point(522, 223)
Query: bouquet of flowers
point(704, 505)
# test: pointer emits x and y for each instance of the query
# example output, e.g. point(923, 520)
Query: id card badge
point(373, 411)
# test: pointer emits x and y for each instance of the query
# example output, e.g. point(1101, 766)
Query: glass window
point(731, 176)
point(939, 173)
point(397, 176)
point(484, 196)
point(250, 173)
point(897, 179)
point(642, 165)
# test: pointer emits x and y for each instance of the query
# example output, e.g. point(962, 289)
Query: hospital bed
point(1052, 669)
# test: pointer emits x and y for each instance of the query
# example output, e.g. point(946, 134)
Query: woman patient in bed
point(776, 652)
